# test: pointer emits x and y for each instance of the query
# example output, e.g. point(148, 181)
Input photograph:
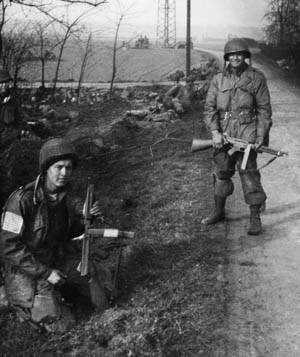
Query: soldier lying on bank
point(179, 96)
point(39, 258)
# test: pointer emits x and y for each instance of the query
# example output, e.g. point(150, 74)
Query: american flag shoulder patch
point(12, 222)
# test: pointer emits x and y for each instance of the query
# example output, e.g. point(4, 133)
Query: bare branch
point(89, 3)
point(33, 3)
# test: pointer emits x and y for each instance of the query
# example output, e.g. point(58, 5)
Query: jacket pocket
point(36, 239)
point(248, 132)
point(38, 232)
point(224, 97)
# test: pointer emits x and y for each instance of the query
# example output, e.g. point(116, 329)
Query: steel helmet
point(236, 45)
point(4, 75)
point(54, 150)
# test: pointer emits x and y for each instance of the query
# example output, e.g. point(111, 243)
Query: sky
point(141, 15)
point(208, 12)
point(204, 14)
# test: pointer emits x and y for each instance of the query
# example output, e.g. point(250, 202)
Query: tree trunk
point(114, 66)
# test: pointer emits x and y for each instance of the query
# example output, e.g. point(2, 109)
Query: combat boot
point(219, 213)
point(255, 222)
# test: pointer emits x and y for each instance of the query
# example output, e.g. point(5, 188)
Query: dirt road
point(261, 274)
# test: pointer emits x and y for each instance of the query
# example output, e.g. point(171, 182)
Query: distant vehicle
point(182, 45)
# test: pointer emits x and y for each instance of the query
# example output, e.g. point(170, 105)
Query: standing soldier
point(39, 257)
point(238, 104)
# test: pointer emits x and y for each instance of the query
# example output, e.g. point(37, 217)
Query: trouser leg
point(90, 287)
point(223, 185)
point(223, 188)
point(251, 181)
point(37, 301)
point(255, 221)
point(49, 309)
point(254, 193)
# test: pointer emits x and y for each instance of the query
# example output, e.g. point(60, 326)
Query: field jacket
point(25, 231)
point(239, 105)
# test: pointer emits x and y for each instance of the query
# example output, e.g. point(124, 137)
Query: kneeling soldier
point(40, 260)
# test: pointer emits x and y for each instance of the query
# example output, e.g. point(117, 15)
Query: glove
point(56, 277)
point(258, 143)
point(217, 138)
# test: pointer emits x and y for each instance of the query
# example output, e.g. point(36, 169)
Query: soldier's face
point(236, 59)
point(59, 175)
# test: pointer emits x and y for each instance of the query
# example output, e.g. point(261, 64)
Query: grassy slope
point(172, 302)
point(171, 298)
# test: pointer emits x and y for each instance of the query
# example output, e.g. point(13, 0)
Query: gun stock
point(201, 144)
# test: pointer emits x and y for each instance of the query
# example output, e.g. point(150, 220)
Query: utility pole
point(188, 39)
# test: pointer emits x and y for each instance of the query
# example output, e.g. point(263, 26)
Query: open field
point(133, 65)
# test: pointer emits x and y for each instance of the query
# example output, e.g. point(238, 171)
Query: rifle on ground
point(237, 145)
point(91, 232)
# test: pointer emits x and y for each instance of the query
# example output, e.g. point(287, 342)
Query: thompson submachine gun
point(237, 145)
point(91, 232)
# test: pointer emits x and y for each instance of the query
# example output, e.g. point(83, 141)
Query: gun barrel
point(242, 144)
point(201, 144)
point(273, 151)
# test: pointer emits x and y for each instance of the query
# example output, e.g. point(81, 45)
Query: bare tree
point(44, 45)
point(87, 53)
point(70, 29)
point(283, 30)
point(2, 22)
point(283, 17)
point(17, 49)
point(48, 8)
point(114, 66)
point(122, 13)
